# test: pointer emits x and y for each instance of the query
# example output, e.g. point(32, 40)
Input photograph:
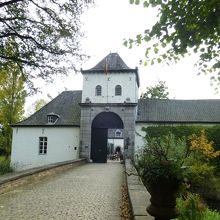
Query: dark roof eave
point(178, 122)
point(45, 125)
point(109, 71)
point(125, 104)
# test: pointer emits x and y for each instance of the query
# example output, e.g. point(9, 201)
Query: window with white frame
point(52, 118)
point(98, 90)
point(42, 145)
point(118, 90)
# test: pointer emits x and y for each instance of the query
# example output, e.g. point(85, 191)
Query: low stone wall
point(138, 194)
point(10, 177)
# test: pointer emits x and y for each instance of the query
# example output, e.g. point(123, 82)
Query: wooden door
point(99, 145)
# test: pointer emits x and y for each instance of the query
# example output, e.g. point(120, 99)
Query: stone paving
point(91, 191)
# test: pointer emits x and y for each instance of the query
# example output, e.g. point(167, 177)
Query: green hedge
point(212, 133)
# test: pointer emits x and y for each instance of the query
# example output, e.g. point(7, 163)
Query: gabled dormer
point(110, 81)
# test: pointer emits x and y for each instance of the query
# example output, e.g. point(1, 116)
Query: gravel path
point(91, 191)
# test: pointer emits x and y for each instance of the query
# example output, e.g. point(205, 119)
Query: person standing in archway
point(119, 153)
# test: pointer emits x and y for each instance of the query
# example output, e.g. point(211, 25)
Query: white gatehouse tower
point(108, 107)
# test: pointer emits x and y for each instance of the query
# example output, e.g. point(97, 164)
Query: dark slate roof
point(179, 111)
point(112, 63)
point(65, 105)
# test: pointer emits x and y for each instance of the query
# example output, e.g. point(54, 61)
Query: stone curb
point(18, 175)
point(138, 194)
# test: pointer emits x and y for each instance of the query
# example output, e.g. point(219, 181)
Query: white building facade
point(86, 124)
point(38, 146)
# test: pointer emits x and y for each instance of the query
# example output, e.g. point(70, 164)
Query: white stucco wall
point(139, 136)
point(61, 143)
point(108, 83)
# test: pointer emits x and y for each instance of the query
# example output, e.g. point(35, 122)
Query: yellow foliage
point(201, 144)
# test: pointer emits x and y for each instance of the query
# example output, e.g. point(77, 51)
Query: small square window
point(42, 145)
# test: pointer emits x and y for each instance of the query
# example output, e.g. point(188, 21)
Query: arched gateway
point(99, 134)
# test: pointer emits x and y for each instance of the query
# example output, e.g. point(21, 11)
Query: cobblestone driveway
point(91, 191)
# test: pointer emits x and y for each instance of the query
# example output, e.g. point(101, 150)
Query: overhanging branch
point(9, 3)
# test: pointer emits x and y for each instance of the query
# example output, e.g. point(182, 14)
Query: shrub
point(171, 156)
point(199, 173)
point(5, 166)
point(161, 159)
point(201, 152)
point(212, 134)
point(192, 208)
point(201, 145)
point(211, 215)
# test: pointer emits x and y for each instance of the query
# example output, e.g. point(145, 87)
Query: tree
point(46, 33)
point(12, 99)
point(39, 104)
point(183, 27)
point(159, 91)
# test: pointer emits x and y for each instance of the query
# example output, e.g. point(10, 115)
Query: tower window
point(98, 90)
point(118, 90)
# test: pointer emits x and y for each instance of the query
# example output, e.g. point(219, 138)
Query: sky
point(106, 25)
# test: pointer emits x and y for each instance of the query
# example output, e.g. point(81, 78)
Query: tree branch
point(19, 60)
point(46, 10)
point(22, 19)
point(9, 3)
point(27, 37)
